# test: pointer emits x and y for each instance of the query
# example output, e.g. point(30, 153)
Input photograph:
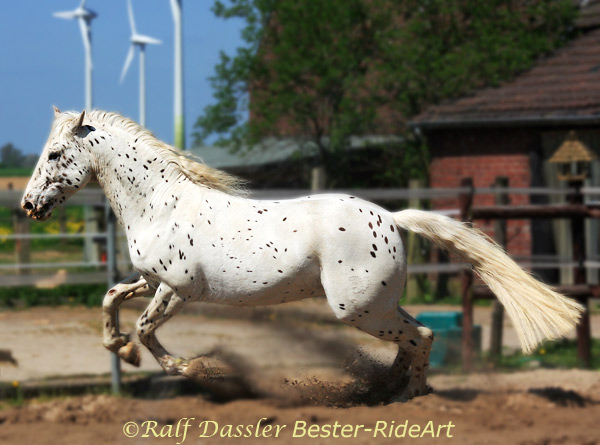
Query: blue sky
point(42, 63)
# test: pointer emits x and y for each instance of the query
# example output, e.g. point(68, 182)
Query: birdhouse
point(573, 158)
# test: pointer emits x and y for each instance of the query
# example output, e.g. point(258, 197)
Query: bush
point(69, 294)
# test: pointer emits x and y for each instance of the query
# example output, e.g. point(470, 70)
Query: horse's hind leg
point(381, 317)
point(417, 346)
point(164, 305)
point(414, 344)
point(131, 287)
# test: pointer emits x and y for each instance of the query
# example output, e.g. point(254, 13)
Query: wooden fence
point(575, 209)
point(23, 272)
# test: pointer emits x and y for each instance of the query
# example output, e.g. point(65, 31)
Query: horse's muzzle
point(40, 212)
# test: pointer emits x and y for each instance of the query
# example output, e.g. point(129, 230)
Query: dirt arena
point(301, 376)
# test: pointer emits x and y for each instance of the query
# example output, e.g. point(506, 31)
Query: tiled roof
point(272, 150)
point(562, 87)
point(589, 14)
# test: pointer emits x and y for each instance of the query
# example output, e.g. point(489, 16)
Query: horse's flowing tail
point(536, 311)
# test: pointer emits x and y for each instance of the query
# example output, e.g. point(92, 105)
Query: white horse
point(193, 236)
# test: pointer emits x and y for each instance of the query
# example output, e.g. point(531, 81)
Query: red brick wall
point(483, 155)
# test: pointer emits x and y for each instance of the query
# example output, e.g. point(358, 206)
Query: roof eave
point(426, 125)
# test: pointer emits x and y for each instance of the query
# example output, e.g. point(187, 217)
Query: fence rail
point(94, 197)
point(28, 236)
point(90, 196)
point(51, 280)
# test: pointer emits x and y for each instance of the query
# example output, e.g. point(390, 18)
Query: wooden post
point(584, 351)
point(465, 203)
point(412, 245)
point(62, 222)
point(111, 279)
point(22, 246)
point(497, 308)
point(317, 178)
point(90, 250)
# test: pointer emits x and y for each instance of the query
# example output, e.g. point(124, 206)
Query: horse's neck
point(131, 173)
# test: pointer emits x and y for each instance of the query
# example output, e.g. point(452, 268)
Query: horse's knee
point(123, 290)
point(113, 298)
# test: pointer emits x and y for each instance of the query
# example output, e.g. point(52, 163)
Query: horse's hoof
point(174, 366)
point(404, 397)
point(130, 353)
point(182, 366)
point(409, 394)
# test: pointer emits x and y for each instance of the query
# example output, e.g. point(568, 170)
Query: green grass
point(9, 172)
point(556, 354)
point(12, 395)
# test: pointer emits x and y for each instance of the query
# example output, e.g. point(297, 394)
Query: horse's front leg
point(131, 287)
point(164, 305)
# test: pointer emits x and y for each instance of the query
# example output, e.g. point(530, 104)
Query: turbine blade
point(65, 15)
point(128, 60)
point(82, 5)
point(85, 35)
point(140, 38)
point(131, 19)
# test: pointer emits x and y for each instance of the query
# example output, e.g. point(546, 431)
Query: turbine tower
point(84, 16)
point(140, 41)
point(178, 101)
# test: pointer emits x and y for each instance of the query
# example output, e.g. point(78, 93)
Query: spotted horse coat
point(193, 236)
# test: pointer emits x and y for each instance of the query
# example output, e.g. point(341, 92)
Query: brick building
point(512, 130)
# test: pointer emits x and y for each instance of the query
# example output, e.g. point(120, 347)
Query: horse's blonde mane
point(193, 169)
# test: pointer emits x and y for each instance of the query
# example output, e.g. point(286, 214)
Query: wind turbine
point(140, 41)
point(84, 16)
point(178, 101)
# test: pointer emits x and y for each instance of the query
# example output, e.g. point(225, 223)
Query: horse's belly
point(263, 290)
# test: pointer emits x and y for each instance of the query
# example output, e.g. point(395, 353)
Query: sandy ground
point(302, 364)
point(295, 337)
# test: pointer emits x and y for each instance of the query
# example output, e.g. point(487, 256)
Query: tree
point(447, 48)
point(12, 157)
point(327, 71)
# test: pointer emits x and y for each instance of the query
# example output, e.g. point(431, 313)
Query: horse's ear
point(79, 123)
point(56, 111)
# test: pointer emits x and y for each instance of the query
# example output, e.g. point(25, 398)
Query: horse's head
point(63, 168)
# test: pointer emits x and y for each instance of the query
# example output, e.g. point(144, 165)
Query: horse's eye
point(54, 155)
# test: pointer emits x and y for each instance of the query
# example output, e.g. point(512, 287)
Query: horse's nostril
point(28, 205)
